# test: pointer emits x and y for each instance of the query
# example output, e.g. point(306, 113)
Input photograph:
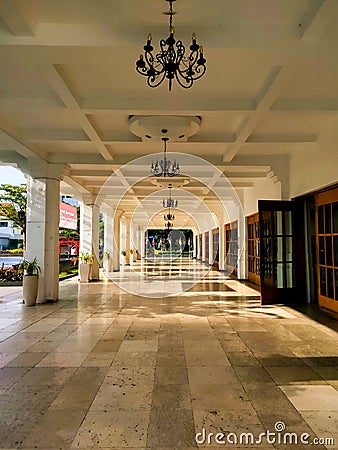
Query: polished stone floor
point(104, 368)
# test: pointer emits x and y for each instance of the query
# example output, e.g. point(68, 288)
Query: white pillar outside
point(89, 231)
point(116, 241)
point(42, 228)
point(108, 239)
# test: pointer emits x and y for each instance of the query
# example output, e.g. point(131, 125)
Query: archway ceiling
point(68, 84)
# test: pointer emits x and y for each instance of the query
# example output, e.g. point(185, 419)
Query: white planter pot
point(30, 289)
point(84, 270)
point(107, 265)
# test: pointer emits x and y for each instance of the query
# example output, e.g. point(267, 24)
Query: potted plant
point(124, 259)
point(31, 271)
point(106, 262)
point(86, 260)
point(134, 255)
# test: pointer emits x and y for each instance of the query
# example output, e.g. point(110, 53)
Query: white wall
point(313, 169)
point(264, 189)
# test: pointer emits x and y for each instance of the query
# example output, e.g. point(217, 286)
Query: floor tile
point(309, 398)
point(118, 429)
point(58, 359)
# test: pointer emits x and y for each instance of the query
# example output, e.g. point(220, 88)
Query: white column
point(42, 228)
point(143, 242)
point(203, 247)
point(127, 237)
point(108, 238)
point(221, 222)
point(116, 243)
point(211, 253)
point(89, 231)
point(241, 273)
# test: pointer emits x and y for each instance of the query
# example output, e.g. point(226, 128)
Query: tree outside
point(13, 204)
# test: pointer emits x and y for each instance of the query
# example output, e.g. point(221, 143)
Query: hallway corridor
point(103, 368)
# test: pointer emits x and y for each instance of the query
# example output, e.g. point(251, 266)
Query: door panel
point(277, 259)
point(327, 250)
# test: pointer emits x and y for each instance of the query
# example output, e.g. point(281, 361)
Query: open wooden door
point(277, 256)
point(327, 250)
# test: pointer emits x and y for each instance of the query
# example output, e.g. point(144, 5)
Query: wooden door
point(327, 250)
point(277, 259)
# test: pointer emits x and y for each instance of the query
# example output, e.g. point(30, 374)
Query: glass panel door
point(327, 250)
point(277, 260)
point(252, 233)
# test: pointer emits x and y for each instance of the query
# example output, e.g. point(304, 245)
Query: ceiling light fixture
point(169, 202)
point(165, 167)
point(169, 225)
point(171, 61)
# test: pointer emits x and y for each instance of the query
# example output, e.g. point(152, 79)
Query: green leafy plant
point(30, 267)
point(86, 258)
point(106, 256)
point(124, 253)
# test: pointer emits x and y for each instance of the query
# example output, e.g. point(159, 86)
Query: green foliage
point(30, 267)
point(124, 253)
point(13, 201)
point(68, 233)
point(86, 258)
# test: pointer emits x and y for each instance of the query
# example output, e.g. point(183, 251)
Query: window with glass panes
point(231, 247)
point(327, 249)
point(253, 242)
point(215, 246)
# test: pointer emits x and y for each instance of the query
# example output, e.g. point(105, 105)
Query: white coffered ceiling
point(68, 84)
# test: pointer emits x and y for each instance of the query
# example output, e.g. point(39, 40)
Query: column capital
point(38, 169)
point(91, 200)
point(117, 213)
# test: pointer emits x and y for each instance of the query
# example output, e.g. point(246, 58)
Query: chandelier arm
point(149, 57)
point(188, 80)
point(152, 80)
point(142, 71)
point(200, 70)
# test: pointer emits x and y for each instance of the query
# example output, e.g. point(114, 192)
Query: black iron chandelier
point(165, 167)
point(169, 202)
point(171, 61)
point(169, 225)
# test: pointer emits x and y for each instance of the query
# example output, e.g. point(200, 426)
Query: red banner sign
point(68, 216)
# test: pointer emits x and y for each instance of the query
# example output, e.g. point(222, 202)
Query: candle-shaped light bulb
point(194, 37)
point(172, 30)
point(149, 37)
point(201, 49)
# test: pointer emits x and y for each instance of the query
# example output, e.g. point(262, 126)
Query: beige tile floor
point(103, 368)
